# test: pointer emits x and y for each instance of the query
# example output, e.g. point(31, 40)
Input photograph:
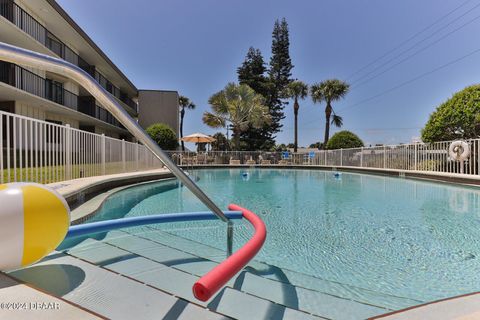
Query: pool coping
point(456, 178)
point(392, 315)
point(89, 208)
point(78, 191)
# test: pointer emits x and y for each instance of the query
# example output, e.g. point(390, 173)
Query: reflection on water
point(401, 237)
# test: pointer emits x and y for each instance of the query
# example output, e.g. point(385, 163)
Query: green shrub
point(344, 140)
point(457, 118)
point(163, 135)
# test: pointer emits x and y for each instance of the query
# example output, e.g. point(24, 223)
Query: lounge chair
point(286, 159)
point(234, 162)
point(308, 157)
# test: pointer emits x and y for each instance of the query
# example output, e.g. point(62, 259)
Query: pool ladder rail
point(24, 57)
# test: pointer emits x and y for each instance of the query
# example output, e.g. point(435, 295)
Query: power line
point(408, 40)
point(418, 77)
point(413, 79)
point(358, 129)
point(416, 52)
point(420, 42)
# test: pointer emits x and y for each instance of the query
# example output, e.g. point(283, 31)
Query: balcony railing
point(22, 19)
point(25, 80)
point(115, 91)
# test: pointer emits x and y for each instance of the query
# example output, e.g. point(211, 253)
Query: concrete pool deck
point(465, 307)
point(21, 301)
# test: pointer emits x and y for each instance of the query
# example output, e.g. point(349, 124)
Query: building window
point(54, 91)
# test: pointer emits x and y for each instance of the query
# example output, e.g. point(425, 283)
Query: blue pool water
point(401, 237)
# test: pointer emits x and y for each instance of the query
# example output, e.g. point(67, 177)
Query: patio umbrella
point(198, 138)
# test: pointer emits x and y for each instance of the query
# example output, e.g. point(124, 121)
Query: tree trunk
point(328, 113)
point(236, 138)
point(182, 114)
point(295, 112)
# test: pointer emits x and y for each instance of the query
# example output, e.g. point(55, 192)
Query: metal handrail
point(13, 54)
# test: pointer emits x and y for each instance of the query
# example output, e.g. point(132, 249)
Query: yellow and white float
point(33, 222)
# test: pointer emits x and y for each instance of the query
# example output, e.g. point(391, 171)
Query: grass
point(50, 174)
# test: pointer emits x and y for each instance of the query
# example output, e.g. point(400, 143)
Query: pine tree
point(252, 73)
point(269, 83)
point(279, 73)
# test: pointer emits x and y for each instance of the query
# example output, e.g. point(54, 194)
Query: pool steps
point(170, 264)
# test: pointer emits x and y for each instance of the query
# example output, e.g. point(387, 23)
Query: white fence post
point(416, 156)
point(103, 153)
point(136, 156)
point(384, 156)
point(361, 157)
point(341, 157)
point(124, 164)
point(68, 152)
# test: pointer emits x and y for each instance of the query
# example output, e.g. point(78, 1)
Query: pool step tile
point(186, 245)
point(179, 283)
point(306, 300)
point(275, 291)
point(101, 253)
point(293, 277)
point(106, 293)
point(243, 306)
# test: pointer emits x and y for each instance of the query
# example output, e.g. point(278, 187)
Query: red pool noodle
point(216, 278)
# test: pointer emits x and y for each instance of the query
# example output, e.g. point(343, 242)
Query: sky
point(402, 58)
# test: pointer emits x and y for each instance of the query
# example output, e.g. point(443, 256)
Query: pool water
point(407, 238)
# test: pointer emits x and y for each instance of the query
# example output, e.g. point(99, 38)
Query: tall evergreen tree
point(279, 73)
point(252, 73)
point(270, 83)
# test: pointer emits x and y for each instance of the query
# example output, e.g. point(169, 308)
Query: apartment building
point(43, 26)
point(159, 106)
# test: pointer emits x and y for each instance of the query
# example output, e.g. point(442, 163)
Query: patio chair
point(234, 162)
point(308, 157)
point(201, 159)
point(286, 158)
point(250, 161)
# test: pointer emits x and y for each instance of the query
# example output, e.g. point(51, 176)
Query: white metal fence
point(413, 157)
point(39, 151)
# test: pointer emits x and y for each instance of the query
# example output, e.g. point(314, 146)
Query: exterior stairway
point(131, 276)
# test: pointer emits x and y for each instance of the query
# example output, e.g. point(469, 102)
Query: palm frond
point(337, 121)
point(213, 120)
point(296, 90)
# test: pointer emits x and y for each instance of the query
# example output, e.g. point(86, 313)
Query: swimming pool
point(400, 237)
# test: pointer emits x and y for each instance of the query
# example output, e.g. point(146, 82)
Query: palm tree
point(238, 106)
point(184, 103)
point(328, 91)
point(296, 90)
